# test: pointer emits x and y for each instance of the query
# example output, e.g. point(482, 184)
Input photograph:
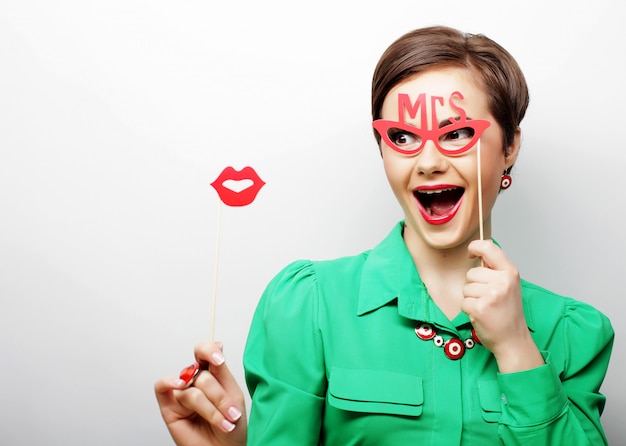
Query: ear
point(513, 150)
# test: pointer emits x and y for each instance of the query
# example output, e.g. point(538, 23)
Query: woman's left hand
point(212, 411)
point(493, 302)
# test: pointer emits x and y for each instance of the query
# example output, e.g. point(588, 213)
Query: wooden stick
point(480, 193)
point(480, 197)
point(217, 256)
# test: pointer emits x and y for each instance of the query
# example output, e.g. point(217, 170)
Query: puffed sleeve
point(284, 363)
point(560, 403)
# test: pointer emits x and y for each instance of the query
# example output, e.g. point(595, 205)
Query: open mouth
point(439, 205)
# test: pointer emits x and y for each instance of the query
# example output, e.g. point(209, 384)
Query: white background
point(116, 116)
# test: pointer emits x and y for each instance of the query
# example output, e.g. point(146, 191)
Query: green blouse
point(332, 358)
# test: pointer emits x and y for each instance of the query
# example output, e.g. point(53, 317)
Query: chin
point(452, 234)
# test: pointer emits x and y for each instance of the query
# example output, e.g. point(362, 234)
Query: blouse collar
point(389, 274)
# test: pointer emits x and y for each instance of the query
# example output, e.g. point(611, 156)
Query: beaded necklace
point(454, 348)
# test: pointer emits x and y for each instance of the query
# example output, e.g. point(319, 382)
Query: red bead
point(454, 348)
point(425, 331)
point(475, 337)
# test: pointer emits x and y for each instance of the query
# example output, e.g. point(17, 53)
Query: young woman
point(430, 338)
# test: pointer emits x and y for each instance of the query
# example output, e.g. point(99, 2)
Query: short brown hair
point(439, 46)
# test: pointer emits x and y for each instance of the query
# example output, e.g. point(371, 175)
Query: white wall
point(115, 116)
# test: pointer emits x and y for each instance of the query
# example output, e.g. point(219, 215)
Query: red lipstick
point(427, 214)
point(243, 197)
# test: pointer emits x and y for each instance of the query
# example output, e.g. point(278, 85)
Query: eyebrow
point(445, 122)
point(456, 119)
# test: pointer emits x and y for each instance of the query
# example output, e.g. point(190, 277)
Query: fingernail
point(228, 426)
point(234, 413)
point(218, 358)
point(179, 383)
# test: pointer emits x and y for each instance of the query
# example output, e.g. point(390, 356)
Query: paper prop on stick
point(238, 188)
point(452, 137)
point(235, 188)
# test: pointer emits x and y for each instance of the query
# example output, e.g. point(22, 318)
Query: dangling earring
point(505, 181)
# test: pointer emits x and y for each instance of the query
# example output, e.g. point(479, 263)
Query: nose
point(430, 160)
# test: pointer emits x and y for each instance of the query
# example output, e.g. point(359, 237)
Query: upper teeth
point(437, 191)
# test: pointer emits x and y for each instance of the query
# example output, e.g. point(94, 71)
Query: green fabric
point(332, 358)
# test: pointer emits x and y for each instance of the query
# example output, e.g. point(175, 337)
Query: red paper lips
point(242, 197)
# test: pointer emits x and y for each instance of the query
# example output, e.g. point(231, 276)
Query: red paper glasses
point(450, 139)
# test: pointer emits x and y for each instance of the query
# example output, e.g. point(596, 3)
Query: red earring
point(505, 182)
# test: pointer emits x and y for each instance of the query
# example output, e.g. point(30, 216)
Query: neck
point(445, 260)
point(443, 269)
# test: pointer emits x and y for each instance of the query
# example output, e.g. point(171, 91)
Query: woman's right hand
point(211, 412)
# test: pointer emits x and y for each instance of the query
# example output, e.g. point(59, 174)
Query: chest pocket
point(490, 400)
point(376, 391)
